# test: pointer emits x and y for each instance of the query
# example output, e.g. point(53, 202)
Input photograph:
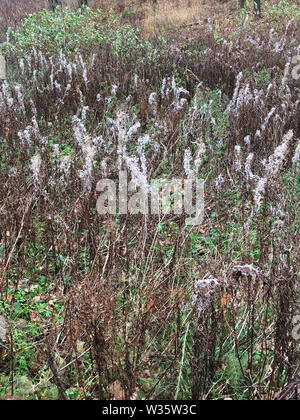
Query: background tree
point(53, 3)
point(257, 6)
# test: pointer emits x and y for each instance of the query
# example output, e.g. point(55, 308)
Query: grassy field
point(144, 306)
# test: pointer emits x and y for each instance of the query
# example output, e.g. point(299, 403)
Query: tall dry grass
point(139, 302)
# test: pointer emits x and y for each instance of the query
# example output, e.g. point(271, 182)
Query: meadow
point(142, 306)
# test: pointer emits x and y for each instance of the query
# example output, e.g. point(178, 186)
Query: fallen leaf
point(34, 317)
point(150, 305)
point(225, 299)
point(116, 390)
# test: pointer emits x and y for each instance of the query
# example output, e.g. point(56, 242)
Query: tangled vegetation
point(142, 306)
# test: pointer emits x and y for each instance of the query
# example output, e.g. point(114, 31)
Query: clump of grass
point(167, 15)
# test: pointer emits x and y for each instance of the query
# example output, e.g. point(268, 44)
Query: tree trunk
point(257, 6)
point(53, 3)
point(82, 3)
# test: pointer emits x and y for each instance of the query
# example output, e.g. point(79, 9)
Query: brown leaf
point(34, 317)
point(150, 305)
point(116, 390)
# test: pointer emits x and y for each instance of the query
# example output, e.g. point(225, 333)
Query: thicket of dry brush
point(143, 301)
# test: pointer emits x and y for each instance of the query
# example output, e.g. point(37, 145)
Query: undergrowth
point(134, 305)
